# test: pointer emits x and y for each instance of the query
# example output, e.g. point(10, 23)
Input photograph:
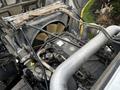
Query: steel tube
point(65, 71)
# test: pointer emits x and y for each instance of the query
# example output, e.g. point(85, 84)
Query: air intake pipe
point(65, 71)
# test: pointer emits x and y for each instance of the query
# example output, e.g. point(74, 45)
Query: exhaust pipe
point(65, 71)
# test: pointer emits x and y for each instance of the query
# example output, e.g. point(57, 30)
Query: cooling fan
point(55, 28)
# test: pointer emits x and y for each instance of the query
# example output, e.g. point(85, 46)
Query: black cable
point(115, 40)
point(49, 40)
point(80, 18)
point(97, 27)
point(36, 57)
point(75, 37)
point(105, 33)
point(54, 35)
point(109, 37)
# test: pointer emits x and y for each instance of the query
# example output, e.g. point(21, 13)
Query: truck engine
point(41, 49)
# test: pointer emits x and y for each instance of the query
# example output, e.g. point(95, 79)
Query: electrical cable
point(37, 28)
point(84, 23)
point(34, 54)
point(49, 40)
point(80, 18)
point(36, 57)
point(75, 37)
point(102, 29)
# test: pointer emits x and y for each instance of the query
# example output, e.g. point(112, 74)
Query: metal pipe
point(65, 71)
point(43, 62)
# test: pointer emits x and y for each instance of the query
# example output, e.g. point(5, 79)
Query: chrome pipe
point(65, 71)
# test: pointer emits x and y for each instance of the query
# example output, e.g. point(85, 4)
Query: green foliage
point(116, 9)
point(88, 14)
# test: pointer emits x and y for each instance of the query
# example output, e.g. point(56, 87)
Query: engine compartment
point(37, 44)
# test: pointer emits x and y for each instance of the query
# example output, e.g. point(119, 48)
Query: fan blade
point(60, 28)
point(42, 37)
point(52, 28)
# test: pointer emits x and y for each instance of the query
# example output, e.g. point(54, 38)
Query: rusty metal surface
point(23, 17)
point(13, 8)
point(6, 8)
